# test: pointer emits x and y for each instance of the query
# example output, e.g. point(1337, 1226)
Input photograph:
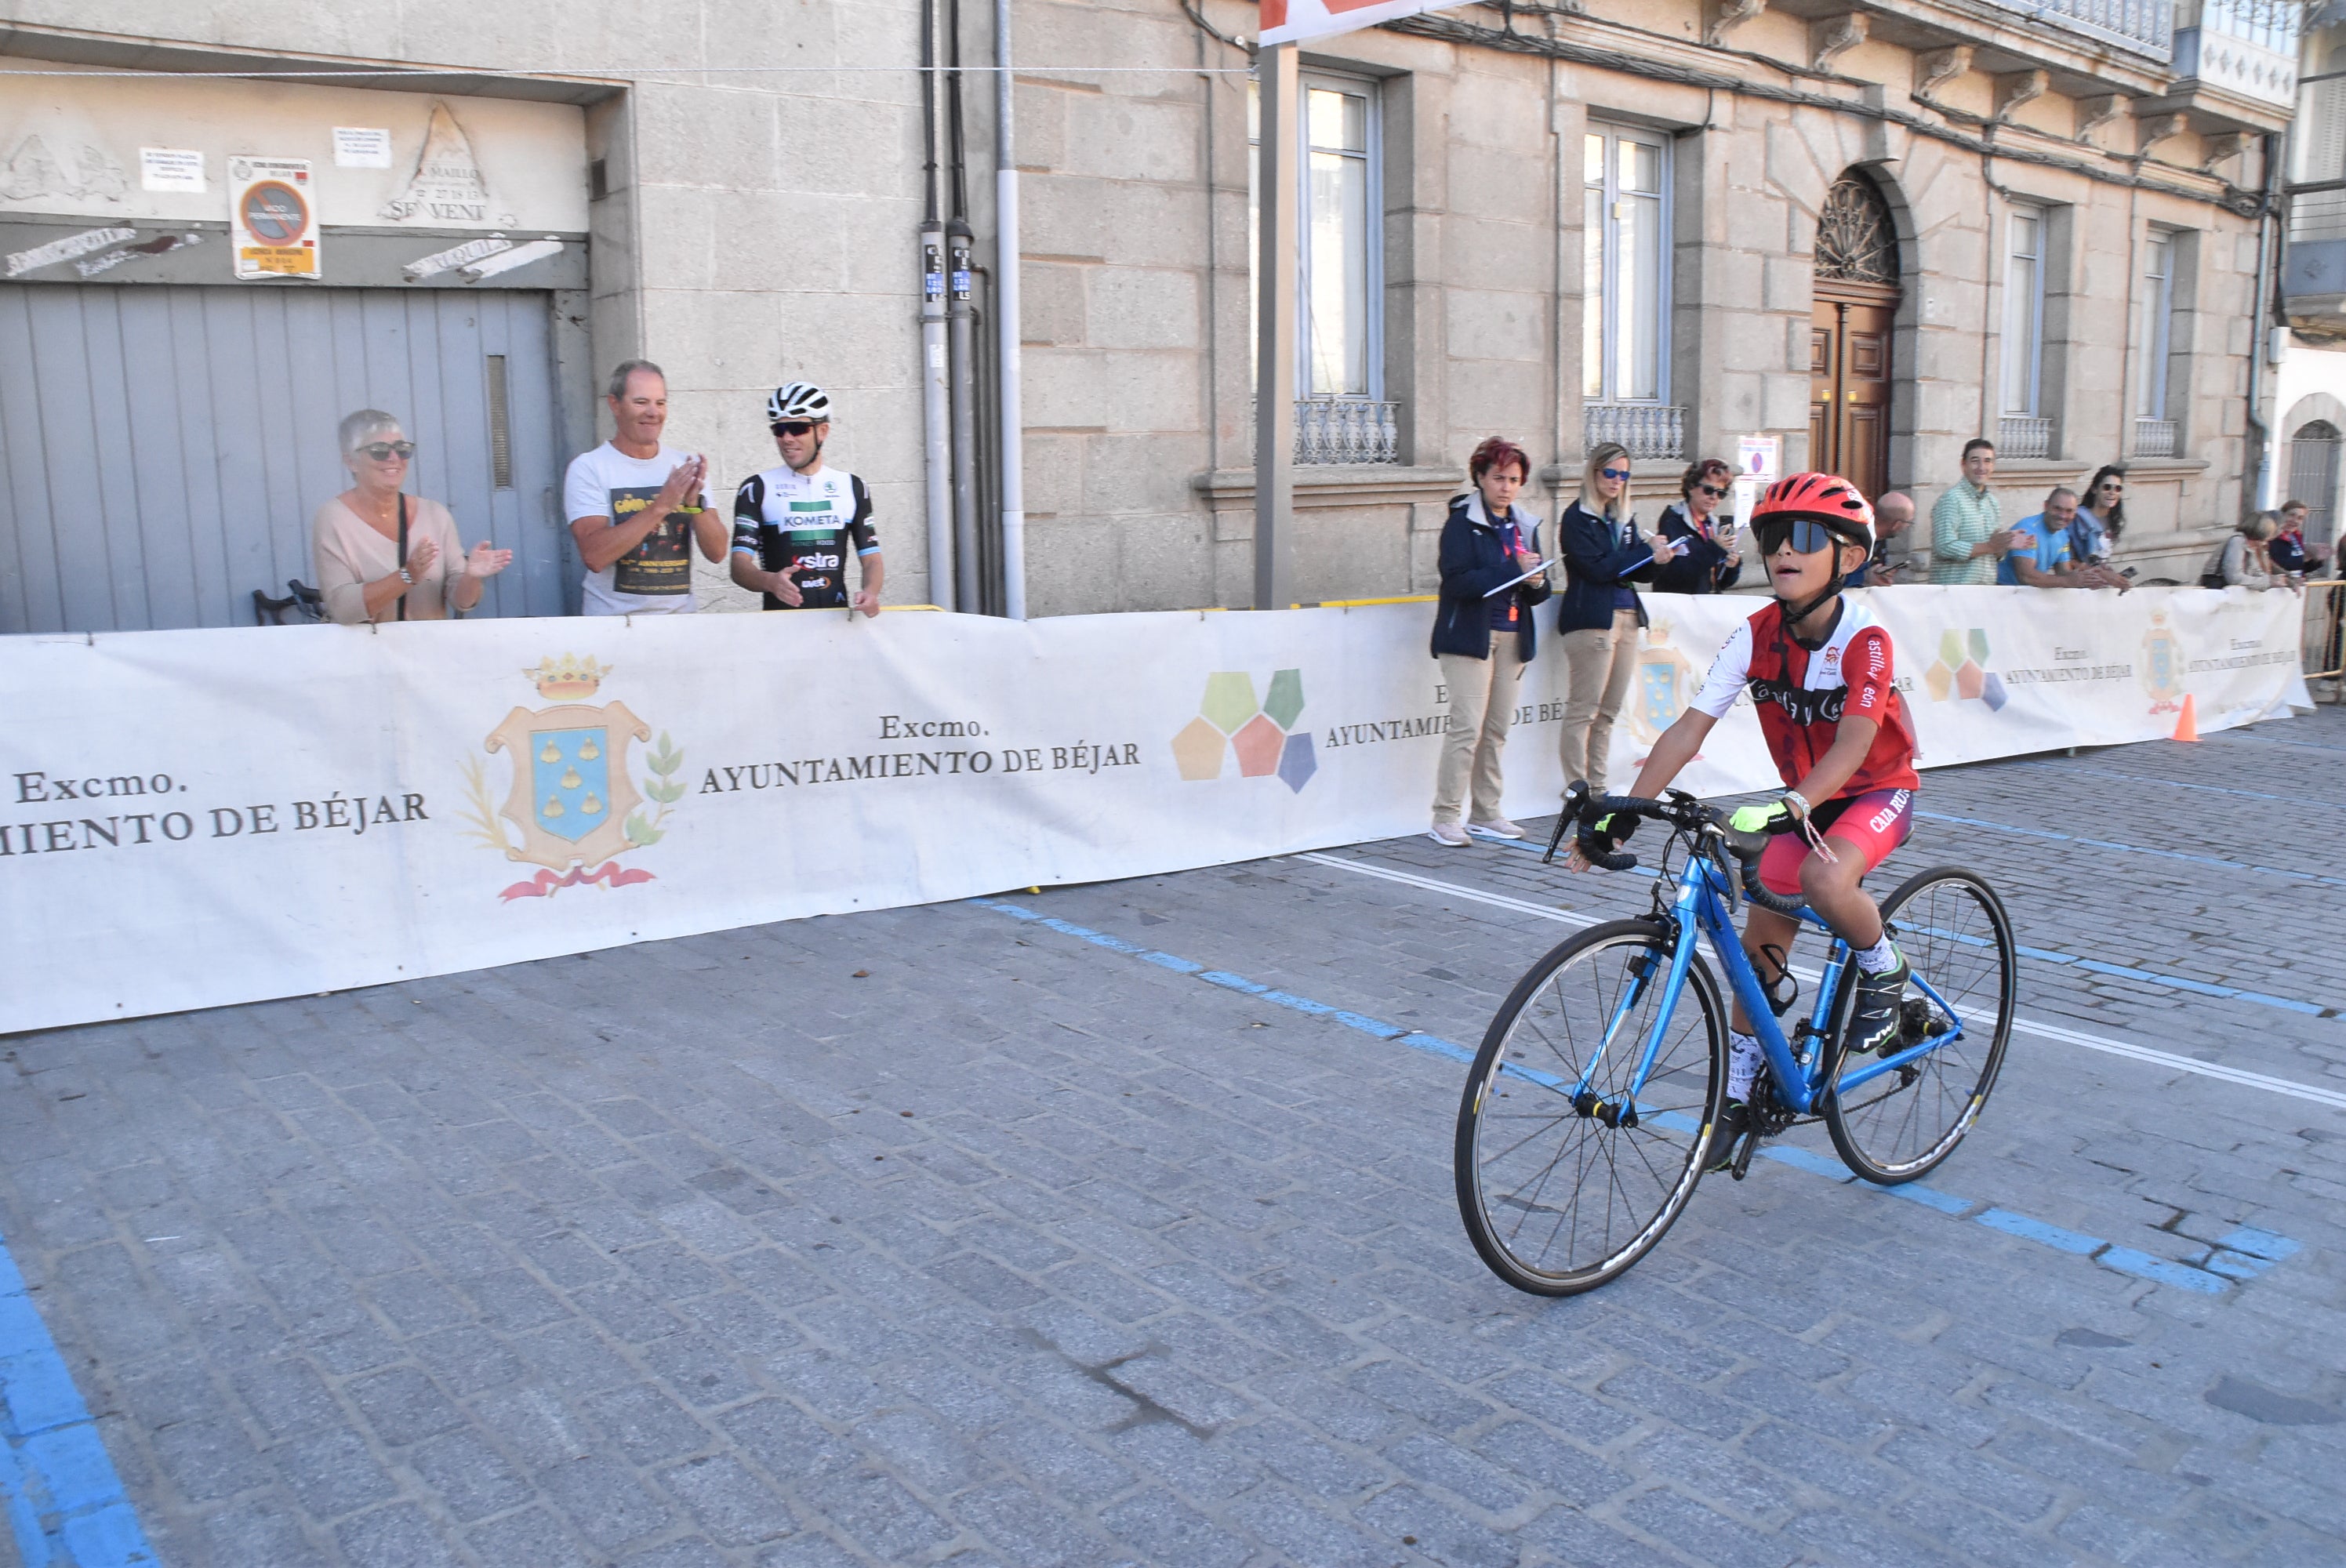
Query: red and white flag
point(1288, 21)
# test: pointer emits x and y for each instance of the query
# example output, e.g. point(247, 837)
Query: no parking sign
point(273, 217)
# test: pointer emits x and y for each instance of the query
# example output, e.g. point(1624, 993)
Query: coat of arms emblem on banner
point(573, 798)
point(1664, 684)
point(2162, 664)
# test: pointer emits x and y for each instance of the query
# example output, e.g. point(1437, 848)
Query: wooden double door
point(1850, 381)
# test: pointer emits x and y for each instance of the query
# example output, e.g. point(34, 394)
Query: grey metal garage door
point(162, 448)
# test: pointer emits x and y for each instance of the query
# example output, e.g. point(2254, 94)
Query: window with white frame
point(2156, 429)
point(2024, 311)
point(1339, 241)
point(1625, 320)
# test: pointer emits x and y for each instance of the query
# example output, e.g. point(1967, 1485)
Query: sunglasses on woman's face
point(1613, 473)
point(384, 451)
point(1713, 491)
point(1807, 537)
point(794, 426)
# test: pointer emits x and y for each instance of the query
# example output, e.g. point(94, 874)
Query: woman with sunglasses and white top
point(1712, 562)
point(1598, 615)
point(383, 555)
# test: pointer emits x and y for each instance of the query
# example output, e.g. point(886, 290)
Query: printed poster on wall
point(273, 217)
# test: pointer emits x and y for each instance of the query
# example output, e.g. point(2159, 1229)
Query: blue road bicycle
point(1593, 1105)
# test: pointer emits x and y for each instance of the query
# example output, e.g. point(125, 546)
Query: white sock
point(1879, 959)
point(1743, 1059)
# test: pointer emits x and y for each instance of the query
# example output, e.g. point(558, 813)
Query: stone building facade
point(2039, 222)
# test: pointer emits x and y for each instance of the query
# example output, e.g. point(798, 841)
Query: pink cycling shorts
point(1870, 825)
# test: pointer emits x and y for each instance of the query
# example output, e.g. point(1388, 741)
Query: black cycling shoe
point(1873, 1015)
point(1733, 1123)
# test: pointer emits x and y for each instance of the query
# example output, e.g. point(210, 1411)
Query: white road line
point(2066, 1036)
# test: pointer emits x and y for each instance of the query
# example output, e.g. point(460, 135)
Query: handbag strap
point(403, 549)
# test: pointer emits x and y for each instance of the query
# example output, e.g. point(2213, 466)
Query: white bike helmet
point(798, 400)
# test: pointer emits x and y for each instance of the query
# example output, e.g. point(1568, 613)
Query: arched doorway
point(2313, 477)
point(1856, 304)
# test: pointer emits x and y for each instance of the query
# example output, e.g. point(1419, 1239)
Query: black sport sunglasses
point(1807, 536)
point(792, 426)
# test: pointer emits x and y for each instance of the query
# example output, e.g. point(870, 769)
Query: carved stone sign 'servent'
point(447, 187)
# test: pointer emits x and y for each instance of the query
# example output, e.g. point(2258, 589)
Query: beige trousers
point(1482, 704)
point(1597, 665)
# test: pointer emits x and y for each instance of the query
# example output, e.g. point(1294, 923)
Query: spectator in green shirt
point(1966, 538)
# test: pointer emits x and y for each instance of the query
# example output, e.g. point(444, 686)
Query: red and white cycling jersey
point(1802, 694)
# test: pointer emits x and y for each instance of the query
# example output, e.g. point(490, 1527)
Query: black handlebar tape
point(1760, 893)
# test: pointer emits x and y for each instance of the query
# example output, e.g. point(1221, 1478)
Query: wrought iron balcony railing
point(2138, 26)
point(2154, 438)
point(1347, 430)
point(1649, 430)
point(2019, 435)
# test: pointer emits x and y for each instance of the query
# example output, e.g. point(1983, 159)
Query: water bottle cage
point(1781, 1004)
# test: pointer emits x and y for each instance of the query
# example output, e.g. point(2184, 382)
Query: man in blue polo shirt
point(2039, 558)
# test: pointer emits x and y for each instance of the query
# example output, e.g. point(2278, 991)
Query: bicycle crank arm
point(1742, 1166)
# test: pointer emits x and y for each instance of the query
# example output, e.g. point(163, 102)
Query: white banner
point(192, 819)
point(1290, 21)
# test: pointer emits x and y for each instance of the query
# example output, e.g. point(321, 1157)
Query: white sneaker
point(1496, 827)
point(1449, 833)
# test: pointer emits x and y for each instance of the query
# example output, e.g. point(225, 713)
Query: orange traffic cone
point(2186, 726)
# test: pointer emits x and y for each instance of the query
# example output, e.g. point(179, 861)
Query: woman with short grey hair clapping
point(381, 556)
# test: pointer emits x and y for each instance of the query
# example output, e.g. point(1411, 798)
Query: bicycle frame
point(1704, 908)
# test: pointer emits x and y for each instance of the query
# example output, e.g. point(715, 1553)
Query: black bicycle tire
point(1845, 1139)
point(1479, 1230)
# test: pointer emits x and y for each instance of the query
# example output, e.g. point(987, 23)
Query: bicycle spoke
point(1556, 1194)
point(1903, 1121)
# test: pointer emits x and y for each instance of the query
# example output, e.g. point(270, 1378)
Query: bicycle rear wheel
point(1560, 1198)
point(1899, 1124)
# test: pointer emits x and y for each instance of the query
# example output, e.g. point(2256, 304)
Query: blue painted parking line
point(65, 1503)
point(2038, 1231)
point(2242, 1255)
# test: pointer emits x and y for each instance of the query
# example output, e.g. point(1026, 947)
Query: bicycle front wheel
point(1896, 1125)
point(1561, 1195)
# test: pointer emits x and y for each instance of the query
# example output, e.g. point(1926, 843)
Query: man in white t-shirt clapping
point(637, 508)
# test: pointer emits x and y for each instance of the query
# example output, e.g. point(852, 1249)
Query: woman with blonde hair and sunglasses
point(1598, 615)
point(383, 556)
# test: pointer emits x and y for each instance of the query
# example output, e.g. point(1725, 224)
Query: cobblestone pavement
point(942, 1236)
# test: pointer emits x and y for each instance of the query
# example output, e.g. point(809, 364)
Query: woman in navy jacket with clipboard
point(1492, 577)
point(1598, 615)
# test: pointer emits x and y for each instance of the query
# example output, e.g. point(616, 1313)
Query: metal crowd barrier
point(2323, 648)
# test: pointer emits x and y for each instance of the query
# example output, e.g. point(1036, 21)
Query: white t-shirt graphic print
point(655, 578)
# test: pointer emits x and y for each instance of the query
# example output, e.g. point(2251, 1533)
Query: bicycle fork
point(1644, 968)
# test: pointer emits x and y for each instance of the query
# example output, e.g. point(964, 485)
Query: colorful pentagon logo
point(1261, 734)
point(1961, 670)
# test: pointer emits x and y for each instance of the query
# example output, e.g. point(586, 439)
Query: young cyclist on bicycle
point(1819, 671)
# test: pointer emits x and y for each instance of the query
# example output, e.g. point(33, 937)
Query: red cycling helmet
point(1825, 498)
